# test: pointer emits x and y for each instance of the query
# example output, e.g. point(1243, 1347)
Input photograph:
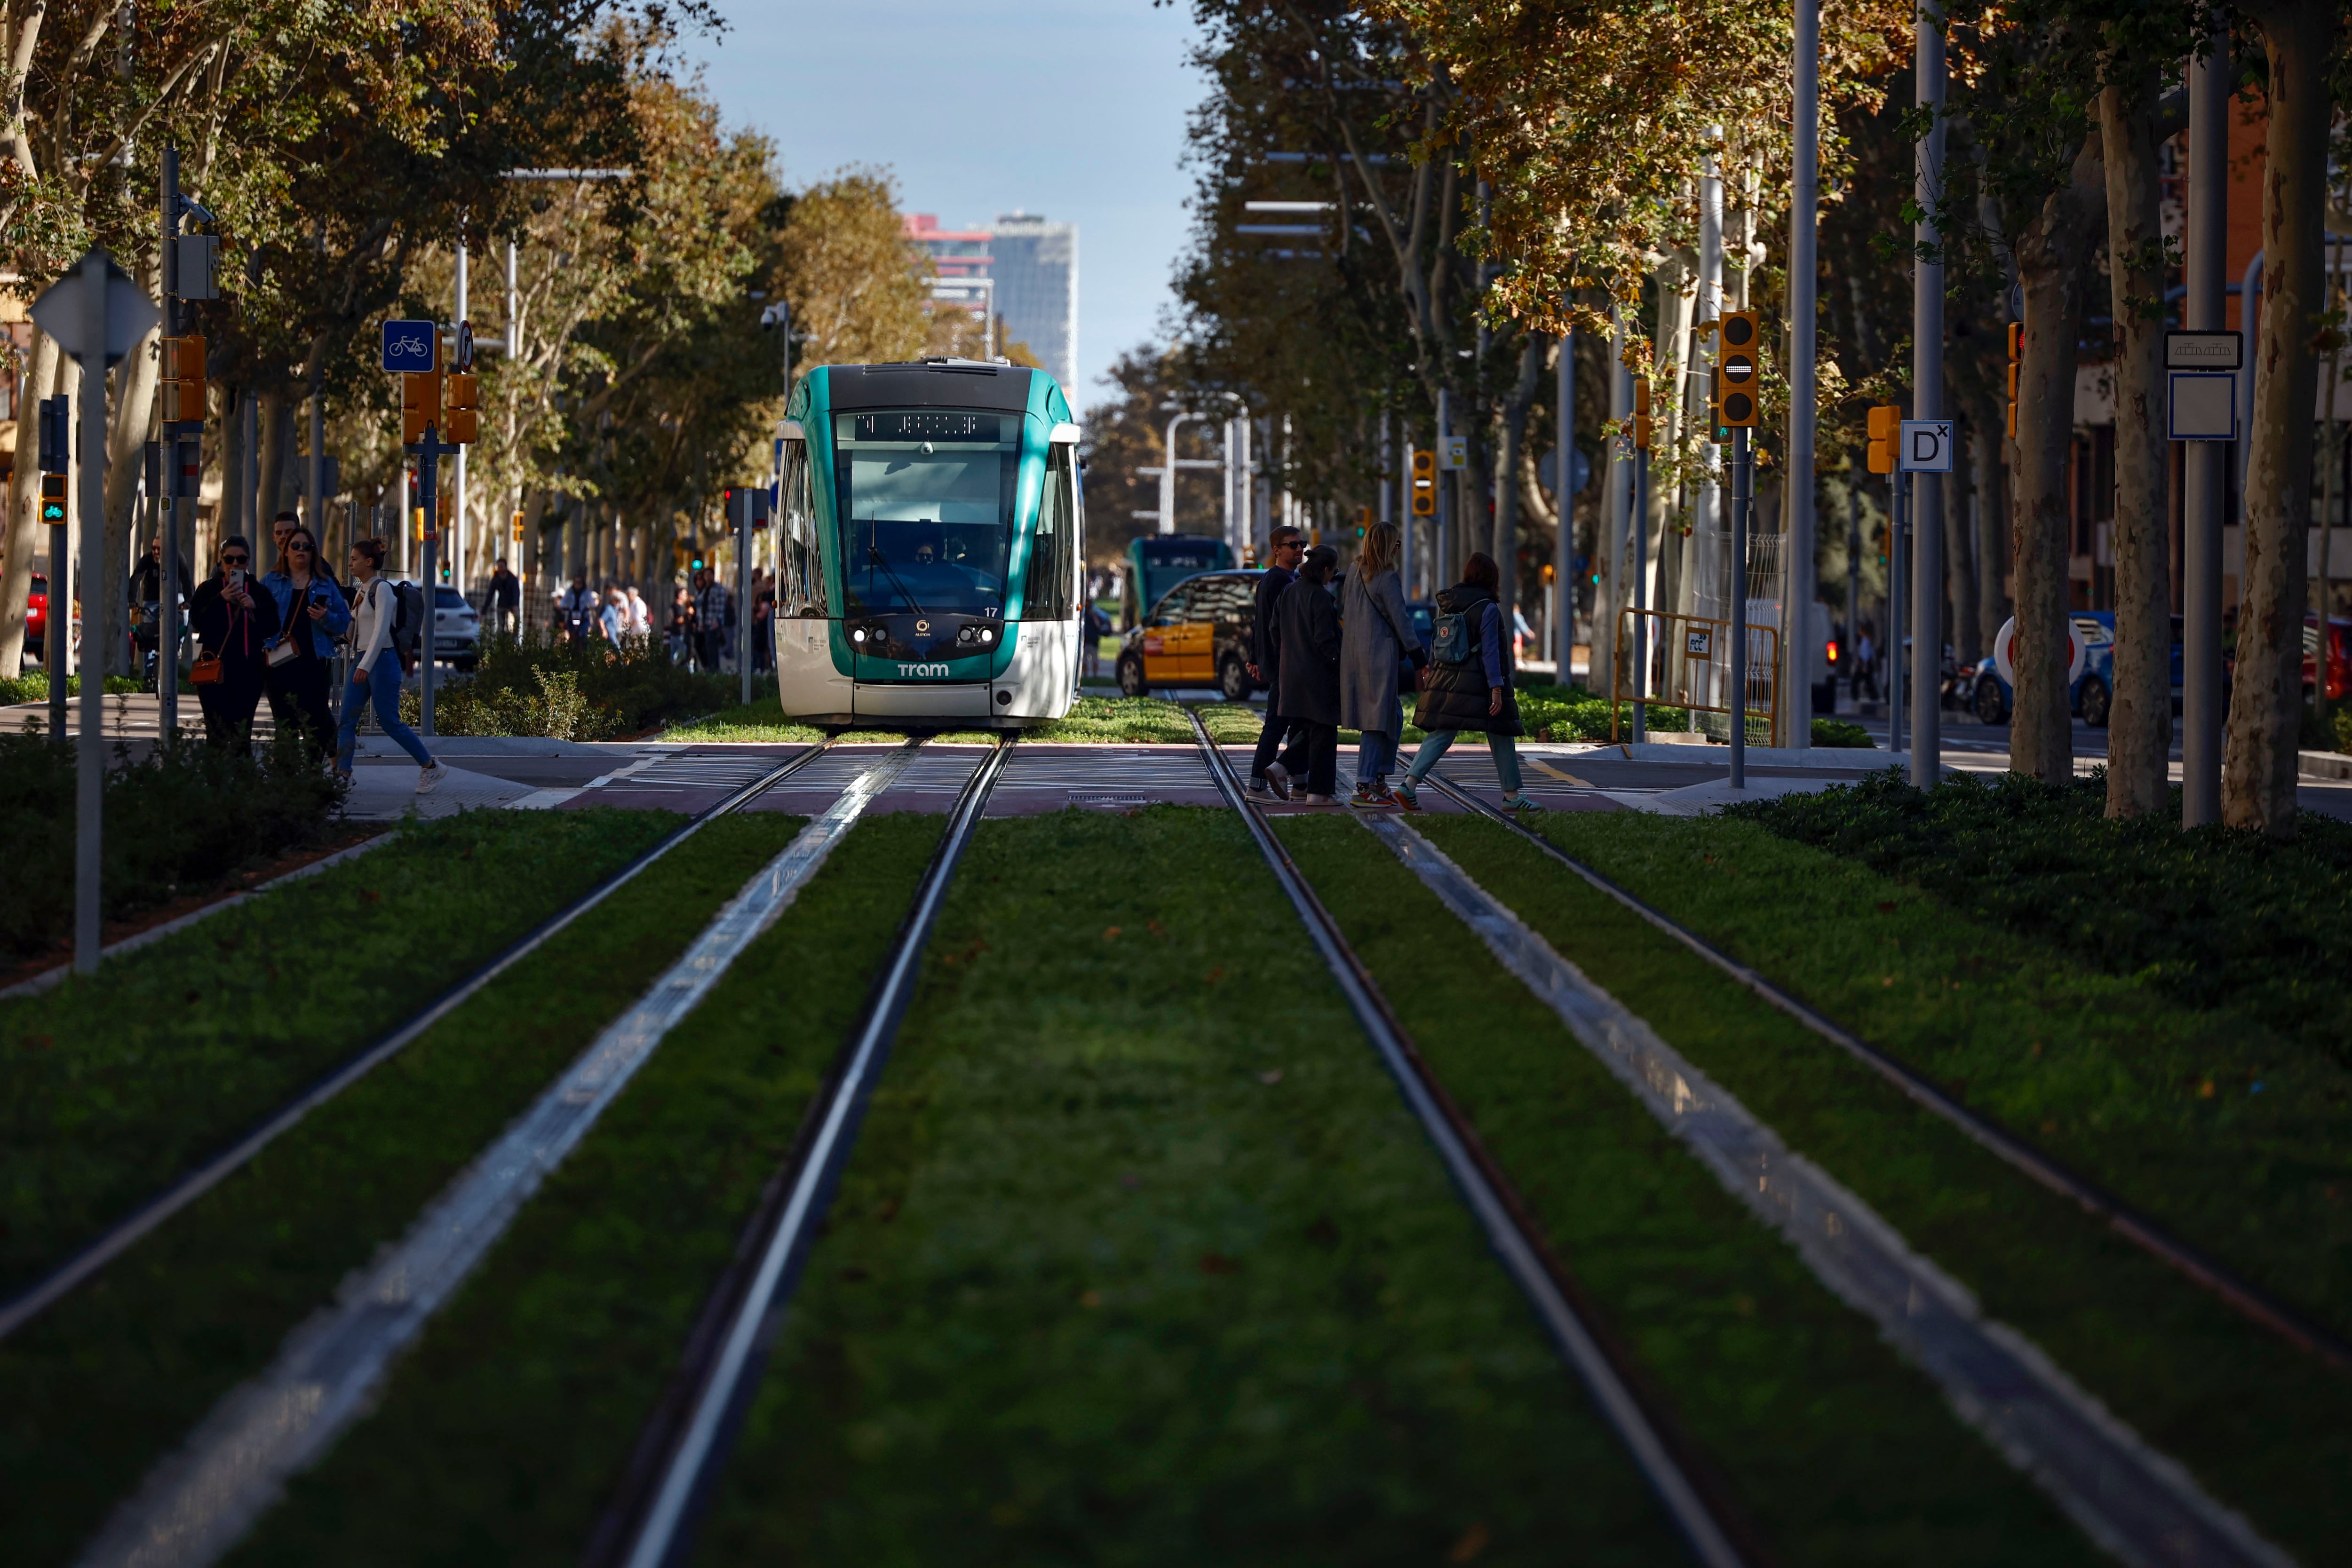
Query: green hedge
point(33, 686)
point(2215, 917)
point(181, 818)
point(1571, 713)
point(546, 686)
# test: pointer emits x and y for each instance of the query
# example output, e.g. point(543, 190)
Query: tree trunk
point(2140, 734)
point(274, 429)
point(2053, 263)
point(1989, 475)
point(126, 440)
point(1959, 576)
point(2259, 762)
point(1506, 471)
point(23, 523)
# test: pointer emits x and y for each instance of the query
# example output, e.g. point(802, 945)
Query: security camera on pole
point(96, 315)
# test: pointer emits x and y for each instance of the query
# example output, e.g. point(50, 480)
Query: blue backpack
point(1456, 638)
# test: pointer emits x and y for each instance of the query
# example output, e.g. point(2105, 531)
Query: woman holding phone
point(234, 623)
point(311, 615)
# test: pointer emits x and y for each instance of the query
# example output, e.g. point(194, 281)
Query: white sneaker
point(429, 778)
point(1318, 800)
point(1278, 778)
point(1257, 786)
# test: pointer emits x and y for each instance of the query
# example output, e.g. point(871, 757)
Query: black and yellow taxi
point(1198, 635)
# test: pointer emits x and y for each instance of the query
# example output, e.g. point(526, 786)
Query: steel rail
point(684, 1449)
point(1693, 1499)
point(194, 1184)
point(2249, 1299)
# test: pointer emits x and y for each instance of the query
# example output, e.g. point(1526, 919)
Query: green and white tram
point(930, 537)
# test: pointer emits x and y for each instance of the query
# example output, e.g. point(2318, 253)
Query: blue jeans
point(1505, 748)
point(382, 688)
point(1375, 757)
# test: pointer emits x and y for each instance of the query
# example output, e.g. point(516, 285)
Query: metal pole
point(1896, 557)
point(2329, 455)
point(1641, 593)
point(457, 492)
point(1444, 564)
point(514, 322)
point(91, 780)
point(1741, 496)
point(2206, 463)
point(1927, 501)
point(167, 631)
point(1795, 707)
point(57, 638)
point(1852, 593)
point(428, 474)
point(744, 592)
point(1563, 542)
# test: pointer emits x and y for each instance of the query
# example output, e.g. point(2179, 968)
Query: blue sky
point(1072, 108)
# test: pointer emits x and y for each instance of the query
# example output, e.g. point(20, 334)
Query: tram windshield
point(926, 503)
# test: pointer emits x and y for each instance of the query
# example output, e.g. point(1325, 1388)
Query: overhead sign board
point(411, 346)
point(2202, 351)
point(2202, 405)
point(1926, 446)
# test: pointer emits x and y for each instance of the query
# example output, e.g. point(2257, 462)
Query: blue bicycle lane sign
point(411, 345)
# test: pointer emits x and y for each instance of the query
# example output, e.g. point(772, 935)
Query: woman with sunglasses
point(233, 625)
point(311, 614)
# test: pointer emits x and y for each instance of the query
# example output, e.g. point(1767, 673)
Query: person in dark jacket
point(1307, 658)
point(1471, 690)
point(1267, 772)
point(312, 616)
point(234, 621)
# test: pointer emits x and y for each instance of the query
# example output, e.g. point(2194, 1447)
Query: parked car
point(2092, 695)
point(2339, 657)
point(456, 628)
point(1197, 634)
point(37, 618)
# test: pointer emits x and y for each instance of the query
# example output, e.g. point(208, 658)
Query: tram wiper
point(874, 554)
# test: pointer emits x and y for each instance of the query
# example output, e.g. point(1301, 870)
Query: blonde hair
point(1382, 545)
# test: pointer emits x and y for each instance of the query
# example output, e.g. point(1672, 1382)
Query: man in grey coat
point(1378, 642)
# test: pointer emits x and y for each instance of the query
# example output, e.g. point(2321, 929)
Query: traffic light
point(420, 404)
point(1551, 574)
point(1425, 484)
point(53, 499)
point(183, 389)
point(1642, 430)
point(2016, 360)
point(517, 527)
point(1738, 369)
point(1363, 521)
point(56, 417)
point(460, 403)
point(1885, 429)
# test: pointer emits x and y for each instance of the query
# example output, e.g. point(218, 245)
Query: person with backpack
point(1305, 643)
point(1268, 770)
point(1378, 640)
point(578, 607)
point(1468, 684)
point(385, 617)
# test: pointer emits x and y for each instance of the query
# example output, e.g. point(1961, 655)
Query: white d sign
point(1926, 446)
point(2078, 654)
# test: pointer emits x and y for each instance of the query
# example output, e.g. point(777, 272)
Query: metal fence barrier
point(1689, 667)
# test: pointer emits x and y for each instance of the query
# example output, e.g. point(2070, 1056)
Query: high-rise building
point(1026, 267)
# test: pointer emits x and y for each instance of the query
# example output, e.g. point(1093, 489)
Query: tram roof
point(946, 384)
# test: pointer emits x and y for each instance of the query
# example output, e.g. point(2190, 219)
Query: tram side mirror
point(1063, 432)
point(790, 430)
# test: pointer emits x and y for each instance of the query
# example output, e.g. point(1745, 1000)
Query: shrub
point(1571, 713)
point(33, 686)
point(2214, 917)
point(546, 686)
point(1838, 732)
point(181, 817)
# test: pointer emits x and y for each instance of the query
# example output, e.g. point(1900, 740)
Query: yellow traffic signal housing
point(420, 404)
point(460, 404)
point(1885, 429)
point(53, 499)
point(1424, 483)
point(1641, 414)
point(517, 527)
point(1738, 369)
point(2016, 360)
point(183, 389)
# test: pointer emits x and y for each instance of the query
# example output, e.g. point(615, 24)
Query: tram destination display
point(927, 425)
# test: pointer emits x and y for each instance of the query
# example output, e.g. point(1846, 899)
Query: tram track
point(2248, 1300)
point(1693, 1496)
point(202, 1178)
point(683, 1447)
point(194, 1507)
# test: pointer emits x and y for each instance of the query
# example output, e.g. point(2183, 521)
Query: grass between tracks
point(500, 1438)
point(98, 1389)
point(1140, 1260)
point(1837, 1449)
point(111, 1086)
point(2093, 1068)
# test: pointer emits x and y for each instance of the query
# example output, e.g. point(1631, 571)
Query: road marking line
point(196, 1505)
point(1540, 766)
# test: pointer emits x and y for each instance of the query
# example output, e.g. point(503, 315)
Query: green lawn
point(762, 721)
point(93, 1393)
point(1840, 1451)
point(2097, 1069)
point(499, 1437)
point(1141, 1261)
point(109, 1087)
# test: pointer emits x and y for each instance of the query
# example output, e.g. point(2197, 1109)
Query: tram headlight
point(858, 635)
